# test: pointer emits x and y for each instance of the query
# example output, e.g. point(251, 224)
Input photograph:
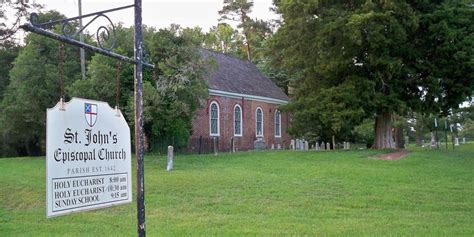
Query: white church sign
point(88, 157)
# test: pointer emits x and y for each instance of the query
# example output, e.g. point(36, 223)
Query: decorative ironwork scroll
point(104, 35)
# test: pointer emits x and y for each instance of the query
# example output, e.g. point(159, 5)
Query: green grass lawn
point(277, 193)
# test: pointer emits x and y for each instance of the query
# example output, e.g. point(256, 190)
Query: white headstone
point(169, 166)
point(348, 144)
point(328, 146)
point(323, 146)
point(456, 141)
point(463, 140)
point(88, 157)
point(292, 144)
point(434, 144)
point(273, 146)
point(279, 146)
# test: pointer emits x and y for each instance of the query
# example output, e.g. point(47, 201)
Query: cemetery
point(267, 193)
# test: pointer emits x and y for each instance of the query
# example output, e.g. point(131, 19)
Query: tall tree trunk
point(333, 142)
point(248, 49)
point(383, 132)
point(243, 20)
point(418, 138)
point(399, 139)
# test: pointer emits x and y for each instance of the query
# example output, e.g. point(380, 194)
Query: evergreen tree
point(7, 55)
point(34, 86)
point(239, 10)
point(19, 11)
point(385, 56)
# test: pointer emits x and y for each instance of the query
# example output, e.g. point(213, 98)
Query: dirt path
point(393, 156)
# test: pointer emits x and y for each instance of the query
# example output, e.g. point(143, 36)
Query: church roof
point(236, 75)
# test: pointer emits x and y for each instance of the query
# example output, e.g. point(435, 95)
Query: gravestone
point(232, 145)
point(292, 144)
point(422, 143)
point(279, 146)
point(169, 167)
point(344, 146)
point(348, 145)
point(434, 144)
point(259, 144)
point(328, 146)
point(323, 146)
point(214, 145)
point(456, 141)
point(273, 146)
point(463, 140)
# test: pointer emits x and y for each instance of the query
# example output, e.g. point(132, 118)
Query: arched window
point(277, 123)
point(214, 119)
point(237, 120)
point(259, 122)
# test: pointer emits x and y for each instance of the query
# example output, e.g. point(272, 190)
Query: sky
point(159, 13)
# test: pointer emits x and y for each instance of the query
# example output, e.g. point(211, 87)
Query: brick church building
point(242, 108)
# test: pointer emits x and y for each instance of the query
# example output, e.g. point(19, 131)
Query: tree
point(225, 39)
point(239, 10)
point(34, 86)
point(19, 10)
point(102, 73)
point(378, 47)
point(171, 93)
point(7, 55)
point(179, 84)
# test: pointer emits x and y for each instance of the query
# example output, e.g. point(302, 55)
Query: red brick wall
point(226, 119)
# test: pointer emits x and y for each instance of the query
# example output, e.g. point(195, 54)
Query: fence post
point(169, 167)
point(200, 144)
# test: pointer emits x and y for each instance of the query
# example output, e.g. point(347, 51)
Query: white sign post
point(88, 157)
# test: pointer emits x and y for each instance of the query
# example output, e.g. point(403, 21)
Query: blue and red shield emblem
point(90, 112)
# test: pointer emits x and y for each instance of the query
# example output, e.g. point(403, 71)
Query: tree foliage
point(7, 55)
point(396, 55)
point(9, 24)
point(34, 86)
point(172, 92)
point(238, 11)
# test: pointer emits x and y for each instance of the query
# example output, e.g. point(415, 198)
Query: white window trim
point(256, 122)
point(246, 96)
point(218, 119)
point(279, 128)
point(241, 122)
